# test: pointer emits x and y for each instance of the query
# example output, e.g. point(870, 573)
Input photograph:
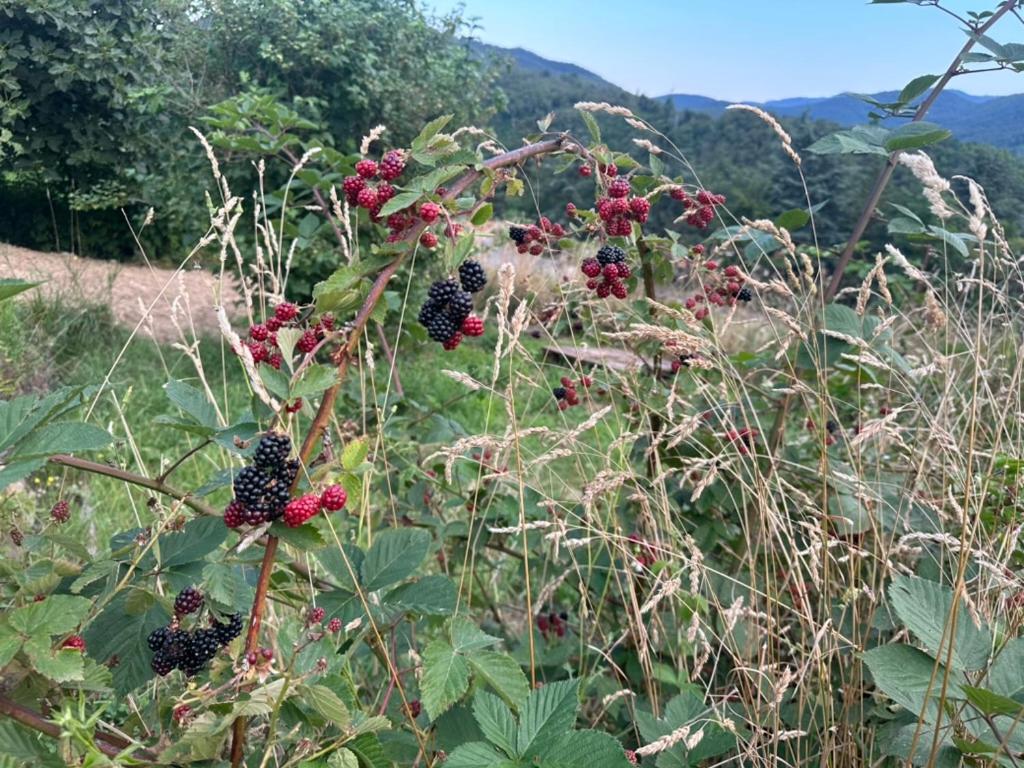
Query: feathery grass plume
point(775, 125)
point(375, 133)
point(934, 185)
point(602, 106)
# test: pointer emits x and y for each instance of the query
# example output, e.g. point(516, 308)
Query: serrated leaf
point(28, 748)
point(547, 714)
point(467, 636)
point(203, 740)
point(502, 673)
point(915, 135)
point(904, 674)
point(1006, 675)
point(396, 553)
point(368, 749)
point(100, 569)
point(925, 607)
point(193, 402)
point(432, 595)
point(496, 721)
point(315, 379)
point(950, 238)
point(483, 214)
point(860, 140)
point(429, 131)
point(591, 123)
point(19, 470)
point(400, 202)
point(445, 677)
point(327, 703)
point(354, 453)
point(287, 338)
point(306, 537)
point(992, 703)
point(275, 381)
point(225, 584)
point(194, 542)
point(793, 219)
point(10, 643)
point(477, 754)
point(343, 758)
point(115, 632)
point(916, 87)
point(587, 749)
point(56, 615)
point(60, 665)
point(63, 437)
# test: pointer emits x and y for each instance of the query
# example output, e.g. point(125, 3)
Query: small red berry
point(701, 313)
point(453, 342)
point(392, 165)
point(259, 332)
point(570, 210)
point(301, 509)
point(181, 713)
point(366, 169)
point(473, 326)
point(273, 324)
point(294, 406)
point(234, 514)
point(563, 404)
point(267, 653)
point(610, 271)
point(585, 171)
point(61, 511)
point(351, 185)
point(414, 708)
point(384, 192)
point(604, 290)
point(731, 271)
point(678, 193)
point(75, 643)
point(698, 249)
point(428, 240)
point(333, 498)
point(611, 170)
point(286, 311)
point(586, 381)
point(367, 197)
point(711, 265)
point(640, 207)
point(429, 212)
point(316, 615)
point(536, 249)
point(307, 342)
point(619, 290)
point(624, 270)
point(334, 625)
point(591, 267)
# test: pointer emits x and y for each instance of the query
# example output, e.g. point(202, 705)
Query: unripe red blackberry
point(473, 326)
point(259, 332)
point(286, 311)
point(273, 324)
point(536, 249)
point(294, 406)
point(567, 382)
point(619, 290)
point(307, 342)
point(333, 498)
point(74, 643)
point(640, 207)
point(731, 271)
point(678, 193)
point(298, 511)
point(181, 713)
point(366, 169)
point(61, 511)
point(352, 186)
point(334, 625)
point(414, 708)
point(234, 514)
point(586, 381)
point(429, 212)
point(591, 267)
point(570, 210)
point(604, 290)
point(384, 192)
point(711, 265)
point(611, 170)
point(619, 188)
point(392, 165)
point(428, 240)
point(316, 615)
point(453, 342)
point(624, 270)
point(367, 198)
point(189, 600)
point(610, 271)
point(585, 171)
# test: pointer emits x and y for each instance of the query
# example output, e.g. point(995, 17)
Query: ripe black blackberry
point(443, 291)
point(225, 633)
point(832, 425)
point(158, 638)
point(254, 515)
point(272, 450)
point(189, 600)
point(441, 328)
point(250, 484)
point(559, 393)
point(459, 307)
point(472, 276)
point(610, 254)
point(744, 294)
point(202, 647)
point(162, 664)
point(518, 234)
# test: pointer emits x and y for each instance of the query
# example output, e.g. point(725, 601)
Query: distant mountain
point(531, 62)
point(995, 120)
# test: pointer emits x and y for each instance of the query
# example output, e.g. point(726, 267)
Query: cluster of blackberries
point(400, 222)
point(620, 207)
point(566, 393)
point(553, 623)
point(447, 312)
point(534, 238)
point(699, 212)
point(262, 342)
point(359, 192)
point(263, 488)
point(606, 272)
point(190, 650)
point(719, 289)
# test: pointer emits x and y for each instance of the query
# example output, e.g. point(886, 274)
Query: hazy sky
point(743, 49)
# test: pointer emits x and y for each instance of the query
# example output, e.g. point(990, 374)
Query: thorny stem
point(343, 359)
point(890, 165)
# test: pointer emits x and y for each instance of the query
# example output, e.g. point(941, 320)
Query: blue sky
point(743, 49)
